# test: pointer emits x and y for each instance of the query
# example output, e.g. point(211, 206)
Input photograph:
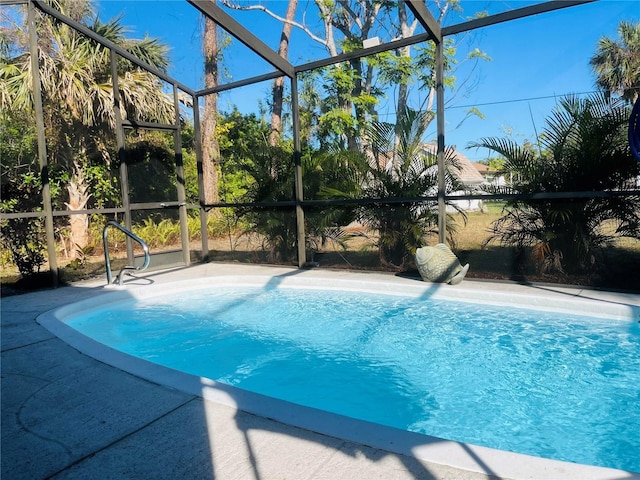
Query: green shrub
point(23, 237)
point(166, 232)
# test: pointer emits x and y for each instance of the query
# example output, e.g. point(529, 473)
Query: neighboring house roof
point(467, 173)
point(491, 175)
point(481, 168)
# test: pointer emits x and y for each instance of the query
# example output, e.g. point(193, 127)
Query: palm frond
point(584, 149)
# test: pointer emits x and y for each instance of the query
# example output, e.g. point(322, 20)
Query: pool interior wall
point(465, 457)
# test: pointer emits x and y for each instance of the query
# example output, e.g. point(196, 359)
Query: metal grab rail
point(107, 261)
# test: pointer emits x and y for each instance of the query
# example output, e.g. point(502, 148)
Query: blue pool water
point(556, 386)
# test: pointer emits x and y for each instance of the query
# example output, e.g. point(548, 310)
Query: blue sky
point(534, 60)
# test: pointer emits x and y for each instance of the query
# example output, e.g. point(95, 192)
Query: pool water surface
point(558, 386)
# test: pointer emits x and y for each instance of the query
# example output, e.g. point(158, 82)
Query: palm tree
point(583, 149)
point(616, 64)
point(399, 166)
point(78, 95)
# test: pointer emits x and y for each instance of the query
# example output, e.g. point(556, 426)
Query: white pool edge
point(429, 449)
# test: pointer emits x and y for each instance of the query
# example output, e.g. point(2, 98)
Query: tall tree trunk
point(278, 84)
point(210, 147)
point(78, 189)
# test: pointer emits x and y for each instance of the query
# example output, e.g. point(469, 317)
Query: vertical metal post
point(297, 158)
point(442, 208)
point(122, 157)
point(197, 136)
point(182, 196)
point(42, 143)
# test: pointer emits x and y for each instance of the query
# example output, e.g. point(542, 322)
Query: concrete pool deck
point(67, 415)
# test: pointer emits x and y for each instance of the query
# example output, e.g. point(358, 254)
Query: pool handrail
point(107, 261)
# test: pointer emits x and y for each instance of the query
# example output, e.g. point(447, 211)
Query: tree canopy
point(616, 63)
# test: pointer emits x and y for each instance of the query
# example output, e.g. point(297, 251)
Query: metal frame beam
point(363, 52)
point(226, 21)
point(180, 180)
point(341, 202)
point(442, 191)
point(150, 125)
point(297, 161)
point(512, 15)
point(42, 143)
point(123, 166)
point(427, 20)
point(240, 83)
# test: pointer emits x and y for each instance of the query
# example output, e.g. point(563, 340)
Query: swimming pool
point(424, 396)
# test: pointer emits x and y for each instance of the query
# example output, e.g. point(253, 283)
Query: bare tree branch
point(262, 8)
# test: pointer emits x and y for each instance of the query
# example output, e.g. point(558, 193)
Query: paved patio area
point(66, 415)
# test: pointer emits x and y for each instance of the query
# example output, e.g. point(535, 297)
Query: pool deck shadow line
point(69, 415)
